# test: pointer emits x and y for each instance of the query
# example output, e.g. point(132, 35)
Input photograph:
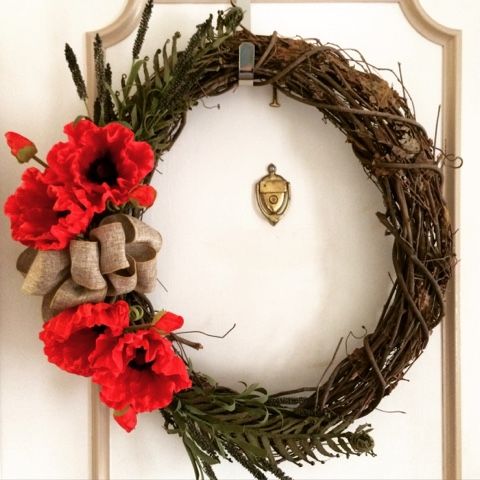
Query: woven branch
point(399, 158)
point(396, 153)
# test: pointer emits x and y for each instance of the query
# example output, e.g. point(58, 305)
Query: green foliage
point(256, 431)
point(75, 71)
point(142, 29)
point(155, 95)
point(99, 58)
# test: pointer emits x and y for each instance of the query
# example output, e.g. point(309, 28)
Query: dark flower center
point(139, 363)
point(62, 214)
point(102, 170)
point(99, 329)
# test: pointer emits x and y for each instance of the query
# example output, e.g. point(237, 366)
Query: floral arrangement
point(96, 171)
point(93, 260)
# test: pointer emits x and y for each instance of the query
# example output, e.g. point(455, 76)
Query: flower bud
point(142, 196)
point(22, 148)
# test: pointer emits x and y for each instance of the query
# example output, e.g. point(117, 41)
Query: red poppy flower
point(22, 148)
point(101, 163)
point(143, 196)
point(70, 337)
point(43, 216)
point(139, 372)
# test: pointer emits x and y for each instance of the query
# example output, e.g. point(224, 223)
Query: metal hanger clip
point(246, 64)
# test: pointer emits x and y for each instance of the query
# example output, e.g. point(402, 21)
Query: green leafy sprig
point(256, 431)
point(142, 29)
point(101, 84)
point(154, 96)
point(75, 71)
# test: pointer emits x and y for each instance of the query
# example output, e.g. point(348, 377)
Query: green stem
point(41, 162)
point(87, 108)
point(184, 341)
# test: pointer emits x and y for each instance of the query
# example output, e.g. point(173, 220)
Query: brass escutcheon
point(273, 195)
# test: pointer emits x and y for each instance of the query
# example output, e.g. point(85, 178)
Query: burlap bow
point(119, 257)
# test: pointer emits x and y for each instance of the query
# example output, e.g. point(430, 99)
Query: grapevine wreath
point(93, 259)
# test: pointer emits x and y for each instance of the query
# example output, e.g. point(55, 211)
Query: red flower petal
point(71, 336)
point(169, 322)
point(126, 418)
point(43, 216)
point(139, 369)
point(100, 163)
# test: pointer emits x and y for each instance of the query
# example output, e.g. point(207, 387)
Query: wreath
point(93, 260)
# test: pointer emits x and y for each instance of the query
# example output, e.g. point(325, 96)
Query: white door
point(292, 291)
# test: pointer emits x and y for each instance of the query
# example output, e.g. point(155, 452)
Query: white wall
point(218, 268)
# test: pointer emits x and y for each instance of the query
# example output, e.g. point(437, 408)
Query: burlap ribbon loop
point(119, 257)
